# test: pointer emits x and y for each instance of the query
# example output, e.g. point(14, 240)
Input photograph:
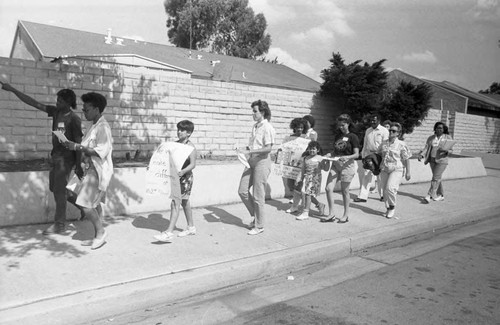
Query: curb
point(104, 302)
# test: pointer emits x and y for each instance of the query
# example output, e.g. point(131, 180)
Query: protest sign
point(162, 175)
point(289, 158)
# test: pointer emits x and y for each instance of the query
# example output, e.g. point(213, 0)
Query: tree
point(494, 89)
point(226, 27)
point(358, 88)
point(408, 105)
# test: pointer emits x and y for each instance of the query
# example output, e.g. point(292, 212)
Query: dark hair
point(263, 108)
point(344, 118)
point(386, 122)
point(97, 100)
point(314, 144)
point(375, 115)
point(186, 125)
point(296, 122)
point(310, 119)
point(68, 96)
point(445, 127)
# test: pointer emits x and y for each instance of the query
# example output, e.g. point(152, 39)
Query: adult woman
point(96, 148)
point(437, 157)
point(259, 146)
point(311, 133)
point(395, 158)
point(345, 150)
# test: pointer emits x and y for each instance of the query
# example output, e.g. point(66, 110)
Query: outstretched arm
point(24, 98)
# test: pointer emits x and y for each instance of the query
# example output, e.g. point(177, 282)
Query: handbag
point(74, 184)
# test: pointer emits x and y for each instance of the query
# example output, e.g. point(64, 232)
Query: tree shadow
point(220, 215)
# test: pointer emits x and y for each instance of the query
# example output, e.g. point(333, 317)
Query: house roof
point(53, 42)
point(489, 100)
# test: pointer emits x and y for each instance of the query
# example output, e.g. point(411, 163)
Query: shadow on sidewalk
point(418, 198)
point(154, 221)
point(219, 215)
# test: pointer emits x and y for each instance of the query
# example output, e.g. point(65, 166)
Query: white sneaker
point(292, 210)
point(165, 237)
point(390, 214)
point(428, 199)
point(187, 232)
point(439, 198)
point(255, 231)
point(303, 216)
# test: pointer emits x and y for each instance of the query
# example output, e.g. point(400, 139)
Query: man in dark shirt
point(62, 159)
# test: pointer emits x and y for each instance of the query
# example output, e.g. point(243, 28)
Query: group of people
point(90, 156)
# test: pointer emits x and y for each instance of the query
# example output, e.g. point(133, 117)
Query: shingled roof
point(51, 42)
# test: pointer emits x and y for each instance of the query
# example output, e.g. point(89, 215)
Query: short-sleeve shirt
point(70, 124)
point(344, 144)
point(263, 134)
point(393, 154)
point(373, 139)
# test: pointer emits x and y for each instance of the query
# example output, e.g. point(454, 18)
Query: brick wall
point(144, 106)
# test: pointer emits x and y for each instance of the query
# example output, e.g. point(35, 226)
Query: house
point(450, 97)
point(40, 42)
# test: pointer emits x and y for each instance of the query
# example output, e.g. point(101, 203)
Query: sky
point(442, 40)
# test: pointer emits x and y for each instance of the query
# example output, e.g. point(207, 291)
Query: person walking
point(185, 129)
point(62, 160)
point(96, 149)
point(395, 159)
point(435, 154)
point(343, 167)
point(374, 136)
point(260, 145)
point(310, 179)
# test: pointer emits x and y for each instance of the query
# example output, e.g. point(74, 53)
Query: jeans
point(437, 169)
point(58, 179)
point(389, 182)
point(256, 177)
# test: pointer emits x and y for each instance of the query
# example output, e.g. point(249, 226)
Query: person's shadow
point(280, 206)
point(219, 215)
point(154, 221)
point(413, 196)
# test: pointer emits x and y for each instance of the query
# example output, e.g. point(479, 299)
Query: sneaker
point(439, 198)
point(252, 224)
point(292, 210)
point(427, 199)
point(55, 229)
point(303, 216)
point(165, 237)
point(187, 232)
point(390, 214)
point(255, 231)
point(321, 209)
point(99, 242)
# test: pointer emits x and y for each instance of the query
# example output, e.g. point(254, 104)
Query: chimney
point(108, 39)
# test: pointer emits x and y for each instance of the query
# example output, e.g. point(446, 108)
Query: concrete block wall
point(476, 133)
point(416, 140)
point(144, 106)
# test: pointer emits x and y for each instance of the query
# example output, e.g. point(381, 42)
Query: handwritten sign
point(289, 158)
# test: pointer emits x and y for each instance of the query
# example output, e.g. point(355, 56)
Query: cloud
point(486, 11)
point(426, 57)
point(286, 59)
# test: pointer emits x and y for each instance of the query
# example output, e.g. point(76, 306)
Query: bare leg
point(186, 206)
point(346, 198)
point(174, 215)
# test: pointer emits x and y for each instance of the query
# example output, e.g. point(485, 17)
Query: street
point(446, 277)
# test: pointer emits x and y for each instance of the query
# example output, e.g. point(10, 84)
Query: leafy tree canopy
point(362, 89)
point(226, 27)
point(494, 89)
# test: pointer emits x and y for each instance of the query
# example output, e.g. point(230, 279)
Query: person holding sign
point(255, 177)
point(96, 149)
point(436, 150)
point(343, 167)
point(184, 130)
point(62, 160)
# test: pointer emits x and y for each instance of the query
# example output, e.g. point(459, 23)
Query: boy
point(62, 159)
point(184, 130)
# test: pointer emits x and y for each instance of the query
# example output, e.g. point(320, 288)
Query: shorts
point(88, 193)
point(186, 185)
point(345, 172)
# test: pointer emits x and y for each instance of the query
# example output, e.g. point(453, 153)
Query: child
point(310, 177)
point(184, 130)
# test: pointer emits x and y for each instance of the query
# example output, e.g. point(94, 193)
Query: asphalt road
point(450, 277)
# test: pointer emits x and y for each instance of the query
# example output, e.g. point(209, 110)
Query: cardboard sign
point(289, 158)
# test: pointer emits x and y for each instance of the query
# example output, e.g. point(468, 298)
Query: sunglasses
point(394, 131)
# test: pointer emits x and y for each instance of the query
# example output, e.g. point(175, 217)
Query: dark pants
point(58, 179)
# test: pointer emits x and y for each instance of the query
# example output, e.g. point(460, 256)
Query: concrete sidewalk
point(55, 280)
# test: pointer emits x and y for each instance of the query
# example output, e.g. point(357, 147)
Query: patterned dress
point(312, 176)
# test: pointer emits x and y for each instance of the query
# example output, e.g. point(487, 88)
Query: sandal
point(327, 219)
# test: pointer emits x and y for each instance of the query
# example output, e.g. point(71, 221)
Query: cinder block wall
point(144, 106)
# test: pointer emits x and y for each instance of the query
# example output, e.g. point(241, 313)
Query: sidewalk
point(55, 280)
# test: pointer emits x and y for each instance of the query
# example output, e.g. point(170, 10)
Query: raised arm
point(24, 98)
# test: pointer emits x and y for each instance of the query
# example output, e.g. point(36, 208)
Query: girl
point(310, 176)
point(345, 150)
